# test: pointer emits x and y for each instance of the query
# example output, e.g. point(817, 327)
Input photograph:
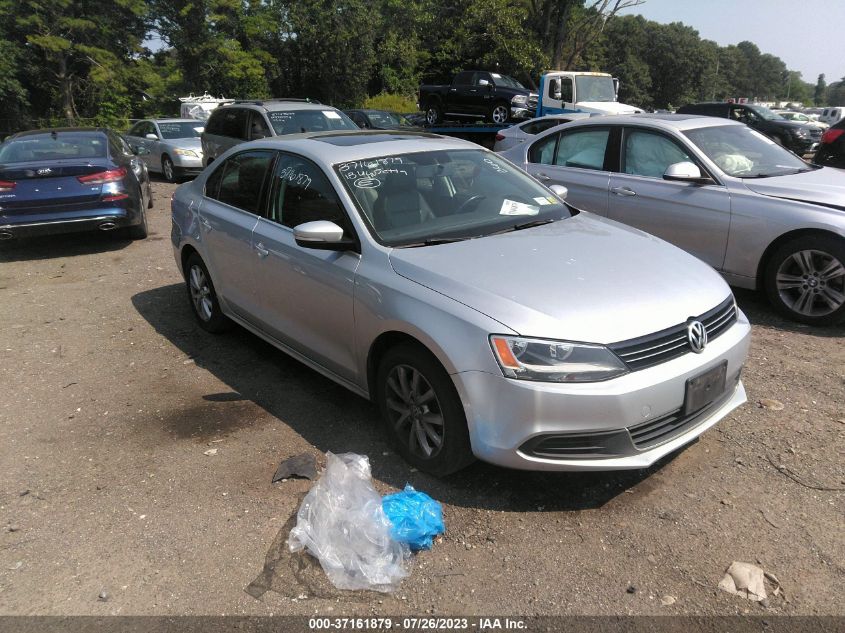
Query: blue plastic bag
point(416, 517)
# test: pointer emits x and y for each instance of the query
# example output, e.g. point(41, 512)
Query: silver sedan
point(173, 146)
point(752, 210)
point(470, 303)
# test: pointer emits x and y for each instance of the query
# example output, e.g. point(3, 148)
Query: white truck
point(564, 91)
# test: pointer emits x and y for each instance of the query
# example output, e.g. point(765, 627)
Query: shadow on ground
point(333, 419)
point(66, 245)
point(760, 312)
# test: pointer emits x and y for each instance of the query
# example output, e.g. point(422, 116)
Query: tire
point(411, 385)
point(433, 114)
point(149, 195)
point(138, 231)
point(203, 298)
point(805, 280)
point(168, 169)
point(500, 113)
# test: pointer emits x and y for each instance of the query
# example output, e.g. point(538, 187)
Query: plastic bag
point(341, 523)
point(415, 516)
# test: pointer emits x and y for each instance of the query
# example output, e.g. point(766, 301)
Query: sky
point(808, 35)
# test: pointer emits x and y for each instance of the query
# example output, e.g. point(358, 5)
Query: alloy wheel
point(414, 411)
point(500, 114)
point(811, 282)
point(167, 166)
point(200, 293)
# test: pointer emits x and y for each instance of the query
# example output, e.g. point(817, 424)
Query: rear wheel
point(138, 231)
point(805, 280)
point(203, 298)
point(500, 113)
point(421, 411)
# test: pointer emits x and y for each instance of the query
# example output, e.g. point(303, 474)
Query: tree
point(820, 92)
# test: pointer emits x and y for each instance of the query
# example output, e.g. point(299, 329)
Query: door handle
point(205, 224)
point(542, 176)
point(262, 252)
point(623, 191)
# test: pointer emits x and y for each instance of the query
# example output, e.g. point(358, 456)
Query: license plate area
point(703, 389)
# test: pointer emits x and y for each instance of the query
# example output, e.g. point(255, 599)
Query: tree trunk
point(66, 87)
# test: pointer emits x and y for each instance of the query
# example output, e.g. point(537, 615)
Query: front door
point(693, 217)
point(306, 294)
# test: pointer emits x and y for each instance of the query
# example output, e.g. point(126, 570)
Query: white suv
point(832, 115)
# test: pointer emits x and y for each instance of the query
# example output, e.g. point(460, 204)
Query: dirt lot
point(111, 395)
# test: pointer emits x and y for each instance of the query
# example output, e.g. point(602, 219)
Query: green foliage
point(390, 102)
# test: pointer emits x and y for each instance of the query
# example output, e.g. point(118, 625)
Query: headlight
point(554, 361)
point(185, 152)
point(519, 100)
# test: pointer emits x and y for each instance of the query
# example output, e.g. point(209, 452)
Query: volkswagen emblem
point(697, 336)
point(44, 171)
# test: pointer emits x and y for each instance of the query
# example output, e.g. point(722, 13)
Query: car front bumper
point(594, 426)
point(522, 113)
point(188, 165)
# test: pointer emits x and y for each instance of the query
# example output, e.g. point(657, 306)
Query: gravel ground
point(111, 396)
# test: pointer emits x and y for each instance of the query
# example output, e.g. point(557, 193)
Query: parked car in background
point(520, 132)
point(831, 151)
point(173, 146)
point(478, 94)
point(478, 311)
point(758, 214)
point(367, 119)
point(792, 135)
point(832, 115)
point(72, 179)
point(800, 117)
point(241, 121)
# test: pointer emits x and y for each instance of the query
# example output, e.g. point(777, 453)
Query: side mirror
point(322, 235)
point(560, 191)
point(483, 82)
point(151, 136)
point(685, 172)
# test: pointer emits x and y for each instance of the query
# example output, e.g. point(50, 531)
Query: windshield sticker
point(281, 116)
point(330, 114)
point(512, 207)
point(364, 174)
point(496, 166)
point(543, 201)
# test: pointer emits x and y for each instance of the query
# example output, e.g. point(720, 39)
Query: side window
point(463, 79)
point(649, 154)
point(239, 181)
point(232, 123)
point(359, 119)
point(541, 126)
point(149, 128)
point(213, 125)
point(543, 151)
point(137, 130)
point(302, 193)
point(566, 89)
point(583, 148)
point(257, 127)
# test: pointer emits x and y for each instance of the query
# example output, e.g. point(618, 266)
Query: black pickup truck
point(478, 94)
point(795, 136)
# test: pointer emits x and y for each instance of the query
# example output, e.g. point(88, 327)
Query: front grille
point(653, 349)
point(578, 445)
point(815, 133)
point(650, 434)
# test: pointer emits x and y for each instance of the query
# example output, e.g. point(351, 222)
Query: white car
point(516, 134)
point(800, 117)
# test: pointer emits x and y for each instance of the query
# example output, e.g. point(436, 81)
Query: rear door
point(234, 195)
point(693, 217)
point(306, 295)
point(577, 159)
point(458, 93)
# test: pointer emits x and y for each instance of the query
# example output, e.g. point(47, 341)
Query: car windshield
point(763, 112)
point(507, 82)
point(296, 121)
point(380, 117)
point(53, 147)
point(744, 153)
point(180, 129)
point(430, 197)
point(594, 88)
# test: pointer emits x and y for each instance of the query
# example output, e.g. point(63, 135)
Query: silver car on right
point(757, 213)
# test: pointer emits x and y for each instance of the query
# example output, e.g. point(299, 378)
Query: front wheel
point(203, 298)
point(500, 114)
point(433, 114)
point(421, 411)
point(805, 280)
point(168, 169)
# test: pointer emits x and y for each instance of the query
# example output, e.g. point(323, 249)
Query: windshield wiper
point(434, 241)
point(533, 223)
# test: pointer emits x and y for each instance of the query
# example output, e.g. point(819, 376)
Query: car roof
point(61, 130)
point(678, 122)
point(276, 105)
point(197, 121)
point(332, 148)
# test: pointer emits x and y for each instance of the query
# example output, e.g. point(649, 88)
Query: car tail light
point(115, 196)
point(6, 186)
point(500, 137)
point(831, 135)
point(111, 175)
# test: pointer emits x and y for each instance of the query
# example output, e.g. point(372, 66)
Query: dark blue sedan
point(72, 179)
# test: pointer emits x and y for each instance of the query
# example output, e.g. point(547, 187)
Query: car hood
point(825, 186)
point(607, 107)
point(581, 279)
point(194, 143)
